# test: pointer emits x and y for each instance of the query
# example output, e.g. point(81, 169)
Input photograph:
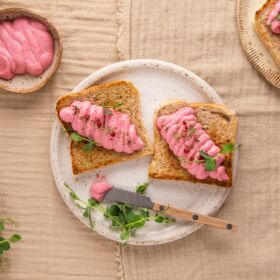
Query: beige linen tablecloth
point(199, 35)
point(202, 36)
point(55, 244)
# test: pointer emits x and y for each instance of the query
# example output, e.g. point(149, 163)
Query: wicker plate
point(253, 47)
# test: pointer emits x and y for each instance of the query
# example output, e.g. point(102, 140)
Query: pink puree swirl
point(186, 138)
point(98, 190)
point(272, 20)
point(111, 129)
point(26, 47)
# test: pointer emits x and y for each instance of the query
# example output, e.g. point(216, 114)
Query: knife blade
point(131, 198)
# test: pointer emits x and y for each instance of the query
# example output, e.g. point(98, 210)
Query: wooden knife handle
point(196, 217)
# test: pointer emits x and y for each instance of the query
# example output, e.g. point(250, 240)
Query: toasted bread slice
point(119, 91)
point(219, 122)
point(269, 39)
point(27, 83)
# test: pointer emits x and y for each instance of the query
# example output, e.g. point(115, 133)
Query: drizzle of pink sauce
point(26, 47)
point(98, 190)
point(272, 20)
point(113, 131)
point(186, 137)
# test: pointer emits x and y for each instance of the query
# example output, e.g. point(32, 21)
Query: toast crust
point(270, 40)
point(118, 91)
point(218, 121)
point(24, 84)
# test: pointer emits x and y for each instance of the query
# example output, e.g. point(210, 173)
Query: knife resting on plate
point(134, 199)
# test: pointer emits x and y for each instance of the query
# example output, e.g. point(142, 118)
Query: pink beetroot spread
point(186, 138)
point(107, 127)
point(26, 47)
point(98, 190)
point(273, 19)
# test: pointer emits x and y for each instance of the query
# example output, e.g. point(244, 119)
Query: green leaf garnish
point(229, 147)
point(209, 162)
point(89, 146)
point(159, 219)
point(124, 235)
point(278, 17)
point(141, 189)
point(5, 242)
point(86, 213)
point(76, 137)
point(73, 195)
point(69, 129)
point(15, 238)
point(92, 202)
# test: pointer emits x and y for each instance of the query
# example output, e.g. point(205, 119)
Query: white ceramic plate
point(156, 81)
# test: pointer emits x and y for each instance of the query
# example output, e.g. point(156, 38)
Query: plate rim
point(250, 49)
point(102, 73)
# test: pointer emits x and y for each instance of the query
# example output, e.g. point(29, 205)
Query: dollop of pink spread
point(26, 47)
point(98, 190)
point(186, 137)
point(272, 20)
point(108, 128)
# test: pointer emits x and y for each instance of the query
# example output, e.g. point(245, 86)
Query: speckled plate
point(252, 45)
point(156, 81)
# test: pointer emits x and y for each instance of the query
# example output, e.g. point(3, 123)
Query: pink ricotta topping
point(272, 19)
point(26, 47)
point(186, 138)
point(108, 128)
point(98, 190)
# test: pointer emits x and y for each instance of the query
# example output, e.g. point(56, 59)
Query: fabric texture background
point(55, 244)
point(199, 35)
point(202, 36)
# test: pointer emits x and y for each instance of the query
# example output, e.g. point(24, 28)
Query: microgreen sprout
point(78, 138)
point(229, 148)
point(141, 189)
point(209, 161)
point(5, 243)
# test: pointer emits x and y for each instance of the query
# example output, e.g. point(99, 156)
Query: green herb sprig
point(124, 218)
point(210, 162)
point(78, 138)
point(141, 189)
point(5, 243)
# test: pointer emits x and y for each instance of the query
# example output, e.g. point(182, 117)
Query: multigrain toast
point(122, 92)
point(219, 122)
point(269, 39)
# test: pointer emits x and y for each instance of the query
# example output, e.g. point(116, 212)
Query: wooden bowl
point(26, 83)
